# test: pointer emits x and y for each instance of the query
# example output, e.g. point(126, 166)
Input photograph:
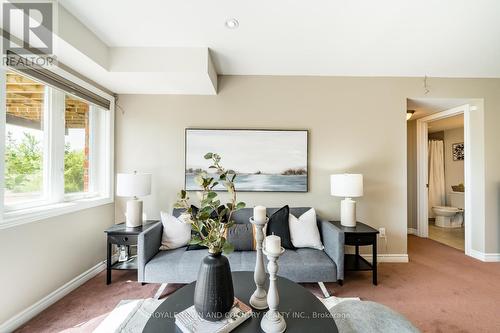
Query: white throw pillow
point(304, 230)
point(176, 232)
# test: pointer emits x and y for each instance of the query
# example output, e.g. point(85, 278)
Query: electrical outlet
point(382, 232)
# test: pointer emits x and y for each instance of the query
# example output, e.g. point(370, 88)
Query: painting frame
point(305, 189)
point(457, 151)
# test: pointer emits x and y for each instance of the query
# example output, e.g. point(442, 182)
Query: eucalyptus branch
point(209, 222)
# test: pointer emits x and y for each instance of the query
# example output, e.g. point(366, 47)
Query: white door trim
point(422, 172)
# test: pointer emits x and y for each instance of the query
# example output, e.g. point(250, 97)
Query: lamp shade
point(133, 184)
point(347, 185)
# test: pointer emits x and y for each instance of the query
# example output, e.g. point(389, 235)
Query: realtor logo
point(27, 28)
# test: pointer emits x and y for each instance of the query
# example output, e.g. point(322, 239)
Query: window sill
point(20, 217)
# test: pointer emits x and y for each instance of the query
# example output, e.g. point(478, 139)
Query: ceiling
point(427, 106)
point(439, 38)
point(446, 123)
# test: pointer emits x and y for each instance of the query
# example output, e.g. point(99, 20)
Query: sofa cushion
point(304, 230)
point(307, 265)
point(181, 266)
point(241, 237)
point(278, 225)
point(176, 232)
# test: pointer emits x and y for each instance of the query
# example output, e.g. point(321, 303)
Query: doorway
point(429, 112)
point(422, 128)
point(446, 184)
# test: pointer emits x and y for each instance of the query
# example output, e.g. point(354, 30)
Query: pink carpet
point(440, 290)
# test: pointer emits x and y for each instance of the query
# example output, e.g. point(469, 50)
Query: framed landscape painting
point(264, 160)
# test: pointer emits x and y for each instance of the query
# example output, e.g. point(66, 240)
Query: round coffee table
point(302, 311)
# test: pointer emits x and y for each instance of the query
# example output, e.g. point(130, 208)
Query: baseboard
point(412, 231)
point(24, 316)
point(394, 258)
point(486, 257)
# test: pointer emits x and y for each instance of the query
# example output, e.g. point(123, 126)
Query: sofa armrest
point(148, 245)
point(333, 240)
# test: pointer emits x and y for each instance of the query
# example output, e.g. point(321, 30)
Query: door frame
point(422, 171)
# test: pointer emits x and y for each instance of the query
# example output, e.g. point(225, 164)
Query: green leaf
point(214, 184)
point(206, 182)
point(206, 202)
point(208, 156)
point(183, 194)
point(203, 216)
point(223, 212)
point(240, 205)
point(211, 195)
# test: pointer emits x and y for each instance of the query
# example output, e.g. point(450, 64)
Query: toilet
point(451, 216)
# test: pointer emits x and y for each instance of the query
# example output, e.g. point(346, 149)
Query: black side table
point(119, 234)
point(357, 236)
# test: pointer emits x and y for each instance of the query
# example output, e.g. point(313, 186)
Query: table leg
point(108, 264)
point(374, 260)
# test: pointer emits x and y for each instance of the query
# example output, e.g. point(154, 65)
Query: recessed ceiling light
point(232, 23)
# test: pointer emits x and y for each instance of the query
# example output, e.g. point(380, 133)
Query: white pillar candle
point(273, 244)
point(259, 214)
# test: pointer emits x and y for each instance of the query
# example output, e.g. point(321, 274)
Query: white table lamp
point(347, 186)
point(133, 185)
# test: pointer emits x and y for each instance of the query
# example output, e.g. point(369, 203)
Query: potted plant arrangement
point(214, 293)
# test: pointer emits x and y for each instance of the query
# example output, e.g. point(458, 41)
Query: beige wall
point(39, 257)
point(349, 121)
point(453, 170)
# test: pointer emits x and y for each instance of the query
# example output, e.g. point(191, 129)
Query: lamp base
point(133, 216)
point(348, 212)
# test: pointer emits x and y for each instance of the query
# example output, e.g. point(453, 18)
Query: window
point(25, 140)
point(57, 147)
point(76, 145)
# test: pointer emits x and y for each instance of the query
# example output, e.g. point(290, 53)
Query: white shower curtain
point(437, 191)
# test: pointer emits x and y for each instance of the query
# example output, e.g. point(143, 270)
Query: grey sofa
point(301, 265)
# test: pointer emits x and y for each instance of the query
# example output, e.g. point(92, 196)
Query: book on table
point(190, 322)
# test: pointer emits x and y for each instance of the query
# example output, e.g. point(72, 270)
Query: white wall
point(39, 257)
point(356, 125)
point(453, 170)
